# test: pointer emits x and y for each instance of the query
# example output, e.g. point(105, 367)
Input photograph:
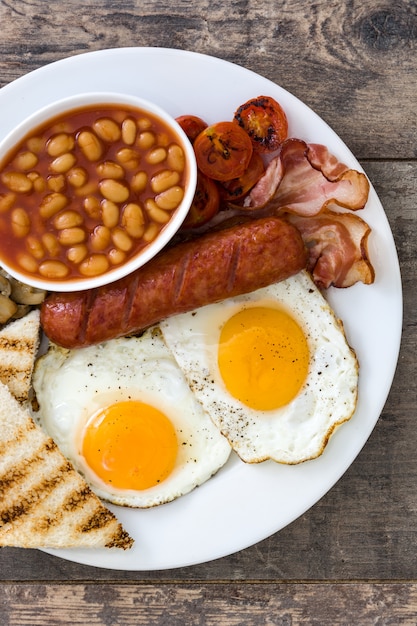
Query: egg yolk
point(263, 357)
point(130, 445)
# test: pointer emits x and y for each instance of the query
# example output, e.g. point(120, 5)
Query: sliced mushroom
point(24, 294)
point(21, 311)
point(7, 308)
point(5, 287)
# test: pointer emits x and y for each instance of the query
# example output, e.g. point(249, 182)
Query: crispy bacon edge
point(304, 179)
point(337, 245)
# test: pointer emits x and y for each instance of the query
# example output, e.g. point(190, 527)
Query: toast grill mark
point(19, 436)
point(75, 500)
point(40, 491)
point(99, 519)
point(18, 473)
point(17, 350)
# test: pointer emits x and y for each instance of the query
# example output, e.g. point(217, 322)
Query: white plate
point(242, 504)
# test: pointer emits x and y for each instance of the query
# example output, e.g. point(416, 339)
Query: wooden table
point(351, 559)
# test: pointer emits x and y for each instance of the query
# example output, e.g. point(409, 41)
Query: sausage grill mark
point(234, 263)
point(180, 278)
point(132, 290)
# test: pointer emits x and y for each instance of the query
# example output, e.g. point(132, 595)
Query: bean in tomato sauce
point(88, 190)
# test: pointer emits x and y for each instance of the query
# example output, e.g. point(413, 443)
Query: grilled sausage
point(210, 268)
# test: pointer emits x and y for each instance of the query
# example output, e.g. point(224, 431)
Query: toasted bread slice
point(19, 342)
point(44, 502)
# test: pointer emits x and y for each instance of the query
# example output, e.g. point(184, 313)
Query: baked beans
point(88, 190)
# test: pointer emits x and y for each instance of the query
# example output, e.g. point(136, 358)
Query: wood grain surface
point(351, 559)
point(182, 604)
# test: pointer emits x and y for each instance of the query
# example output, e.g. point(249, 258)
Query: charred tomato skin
point(265, 121)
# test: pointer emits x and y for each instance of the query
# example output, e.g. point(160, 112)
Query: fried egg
point(124, 415)
point(272, 368)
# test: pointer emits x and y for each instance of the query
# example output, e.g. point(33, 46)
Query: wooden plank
point(238, 604)
point(353, 62)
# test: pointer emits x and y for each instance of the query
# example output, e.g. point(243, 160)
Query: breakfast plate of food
point(204, 400)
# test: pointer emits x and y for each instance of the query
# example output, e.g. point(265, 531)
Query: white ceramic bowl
point(68, 105)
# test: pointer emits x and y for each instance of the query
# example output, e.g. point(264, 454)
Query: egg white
point(71, 386)
point(293, 433)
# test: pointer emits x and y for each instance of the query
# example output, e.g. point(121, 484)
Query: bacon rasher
point(337, 248)
point(302, 182)
point(305, 178)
